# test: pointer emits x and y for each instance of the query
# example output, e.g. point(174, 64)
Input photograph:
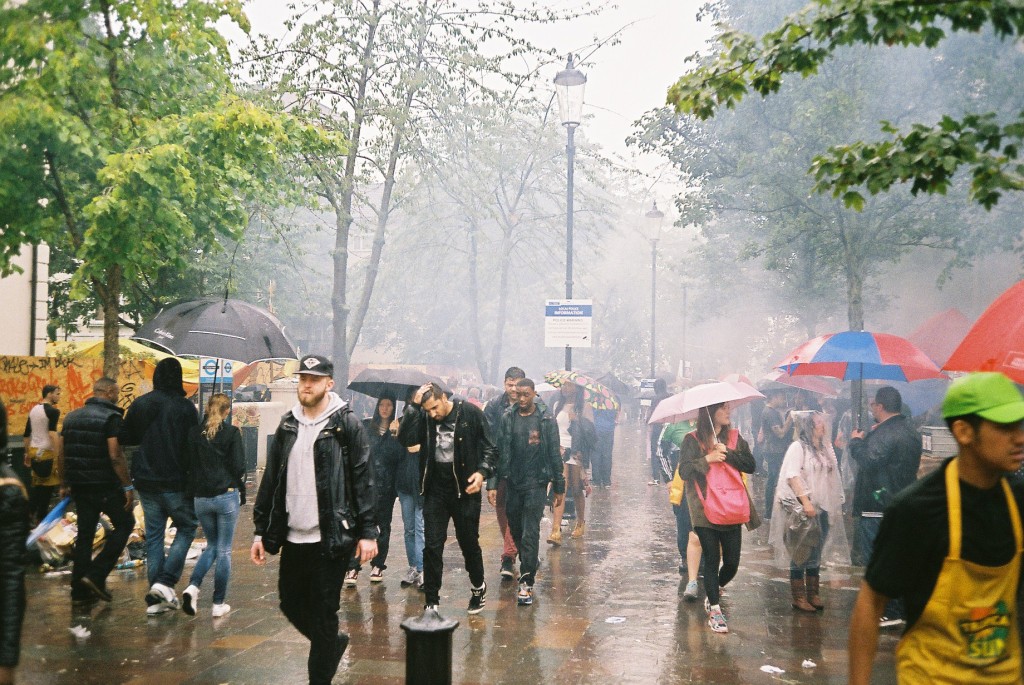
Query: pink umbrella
point(815, 384)
point(685, 405)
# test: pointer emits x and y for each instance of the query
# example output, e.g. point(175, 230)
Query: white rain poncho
point(819, 471)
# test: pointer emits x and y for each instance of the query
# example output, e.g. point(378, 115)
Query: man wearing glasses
point(887, 459)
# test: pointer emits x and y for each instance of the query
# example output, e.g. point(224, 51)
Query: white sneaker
point(190, 600)
point(158, 592)
point(411, 577)
point(219, 610)
point(157, 609)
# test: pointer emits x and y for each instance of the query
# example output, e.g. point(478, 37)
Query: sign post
point(212, 374)
point(568, 323)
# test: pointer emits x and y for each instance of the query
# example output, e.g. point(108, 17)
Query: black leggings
point(711, 540)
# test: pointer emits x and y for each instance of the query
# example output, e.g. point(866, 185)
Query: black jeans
point(441, 504)
point(730, 542)
point(309, 587)
point(525, 507)
point(90, 503)
point(603, 458)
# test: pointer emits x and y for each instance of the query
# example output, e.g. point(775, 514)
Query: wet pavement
point(608, 609)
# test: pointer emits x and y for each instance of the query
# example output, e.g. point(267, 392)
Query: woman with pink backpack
point(711, 461)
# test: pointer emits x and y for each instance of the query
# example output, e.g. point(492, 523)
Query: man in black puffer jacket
point(13, 531)
point(95, 471)
point(159, 422)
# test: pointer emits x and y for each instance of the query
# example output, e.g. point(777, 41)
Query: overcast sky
point(623, 81)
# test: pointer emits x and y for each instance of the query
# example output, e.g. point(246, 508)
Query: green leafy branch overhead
point(927, 156)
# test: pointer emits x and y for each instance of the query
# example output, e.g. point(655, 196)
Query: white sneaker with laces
point(219, 610)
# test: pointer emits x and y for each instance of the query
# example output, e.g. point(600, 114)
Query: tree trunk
point(110, 293)
point(502, 313)
point(474, 305)
point(339, 301)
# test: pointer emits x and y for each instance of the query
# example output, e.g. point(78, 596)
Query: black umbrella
point(218, 327)
point(397, 383)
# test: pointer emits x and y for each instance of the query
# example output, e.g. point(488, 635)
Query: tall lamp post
point(653, 218)
point(569, 85)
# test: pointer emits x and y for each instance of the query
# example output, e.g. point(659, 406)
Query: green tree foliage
point(927, 155)
point(125, 143)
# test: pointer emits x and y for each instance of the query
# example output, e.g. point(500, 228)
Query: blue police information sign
point(568, 323)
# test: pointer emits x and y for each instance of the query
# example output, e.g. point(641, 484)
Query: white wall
point(16, 300)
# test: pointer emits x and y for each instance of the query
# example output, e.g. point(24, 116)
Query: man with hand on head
point(316, 506)
point(456, 456)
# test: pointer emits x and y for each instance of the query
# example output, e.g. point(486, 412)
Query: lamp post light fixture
point(569, 85)
point(653, 219)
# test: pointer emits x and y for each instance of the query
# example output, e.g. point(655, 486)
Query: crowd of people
point(942, 552)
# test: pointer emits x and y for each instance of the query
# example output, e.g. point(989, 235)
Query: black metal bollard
point(428, 649)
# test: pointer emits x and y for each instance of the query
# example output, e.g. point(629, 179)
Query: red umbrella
point(996, 340)
point(859, 355)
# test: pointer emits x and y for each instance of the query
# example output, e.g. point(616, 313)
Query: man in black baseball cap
point(315, 365)
point(316, 540)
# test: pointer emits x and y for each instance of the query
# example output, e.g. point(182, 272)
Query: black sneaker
point(886, 622)
point(507, 568)
point(477, 599)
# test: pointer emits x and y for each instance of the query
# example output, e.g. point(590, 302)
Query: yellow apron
point(968, 630)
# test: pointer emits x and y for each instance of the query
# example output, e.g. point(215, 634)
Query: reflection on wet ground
point(608, 609)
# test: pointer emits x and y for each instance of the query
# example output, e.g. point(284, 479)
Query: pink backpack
point(725, 502)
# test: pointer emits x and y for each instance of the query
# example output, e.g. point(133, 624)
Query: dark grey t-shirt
point(526, 466)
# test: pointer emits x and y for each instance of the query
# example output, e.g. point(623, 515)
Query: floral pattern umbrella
point(594, 394)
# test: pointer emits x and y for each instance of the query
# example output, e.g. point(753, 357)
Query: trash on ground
point(81, 632)
point(772, 669)
point(808, 664)
point(615, 619)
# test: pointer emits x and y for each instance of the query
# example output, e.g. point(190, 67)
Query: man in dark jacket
point(13, 532)
point(96, 473)
point(159, 422)
point(316, 506)
point(493, 411)
point(456, 456)
point(531, 459)
point(887, 460)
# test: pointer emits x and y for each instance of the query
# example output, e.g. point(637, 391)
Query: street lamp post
point(569, 85)
point(654, 217)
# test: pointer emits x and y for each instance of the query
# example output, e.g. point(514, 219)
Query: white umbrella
point(685, 405)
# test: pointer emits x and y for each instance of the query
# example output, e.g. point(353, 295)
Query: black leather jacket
point(474, 448)
point(887, 461)
point(550, 466)
point(13, 532)
point(344, 485)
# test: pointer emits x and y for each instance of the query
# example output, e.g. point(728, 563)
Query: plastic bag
point(802, 534)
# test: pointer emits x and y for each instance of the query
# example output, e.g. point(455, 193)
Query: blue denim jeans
point(218, 516)
point(412, 521)
point(867, 531)
point(157, 507)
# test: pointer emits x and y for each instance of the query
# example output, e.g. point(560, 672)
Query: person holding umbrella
point(715, 446)
point(216, 476)
point(387, 456)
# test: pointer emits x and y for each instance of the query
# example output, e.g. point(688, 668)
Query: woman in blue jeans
point(216, 476)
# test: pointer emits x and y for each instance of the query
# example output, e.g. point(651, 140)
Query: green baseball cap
point(990, 395)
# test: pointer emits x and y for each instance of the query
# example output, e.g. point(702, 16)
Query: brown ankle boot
point(800, 602)
point(813, 592)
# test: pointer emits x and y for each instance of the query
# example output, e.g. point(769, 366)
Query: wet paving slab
point(608, 608)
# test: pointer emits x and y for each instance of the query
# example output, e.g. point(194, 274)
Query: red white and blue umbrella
point(859, 355)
